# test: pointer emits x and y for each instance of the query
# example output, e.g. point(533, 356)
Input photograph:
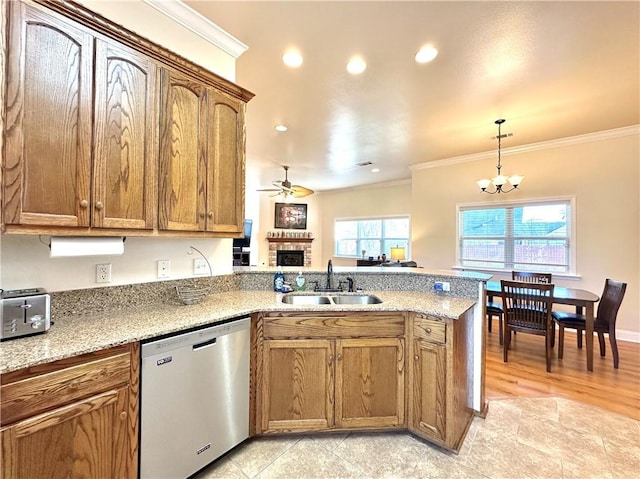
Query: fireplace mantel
point(289, 240)
point(294, 244)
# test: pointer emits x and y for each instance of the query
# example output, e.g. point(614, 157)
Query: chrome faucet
point(329, 275)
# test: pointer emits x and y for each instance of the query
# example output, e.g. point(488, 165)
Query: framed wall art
point(291, 216)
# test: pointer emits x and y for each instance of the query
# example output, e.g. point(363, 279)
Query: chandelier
point(500, 181)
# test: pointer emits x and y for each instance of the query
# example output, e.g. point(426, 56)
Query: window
point(371, 236)
point(524, 236)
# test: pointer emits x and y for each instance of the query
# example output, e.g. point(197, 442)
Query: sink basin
point(356, 299)
point(305, 299)
point(313, 299)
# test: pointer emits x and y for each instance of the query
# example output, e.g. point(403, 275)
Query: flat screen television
point(246, 241)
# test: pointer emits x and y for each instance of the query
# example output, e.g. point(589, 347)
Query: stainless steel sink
point(305, 299)
point(314, 299)
point(356, 299)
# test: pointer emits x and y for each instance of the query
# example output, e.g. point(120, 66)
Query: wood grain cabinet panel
point(108, 134)
point(369, 383)
point(440, 381)
point(76, 417)
point(202, 144)
point(429, 390)
point(47, 161)
point(124, 167)
point(226, 167)
point(183, 154)
point(298, 385)
point(332, 383)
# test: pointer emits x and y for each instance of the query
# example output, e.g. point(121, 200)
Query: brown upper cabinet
point(98, 141)
point(47, 161)
point(201, 157)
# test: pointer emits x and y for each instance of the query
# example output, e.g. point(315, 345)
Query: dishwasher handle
point(204, 344)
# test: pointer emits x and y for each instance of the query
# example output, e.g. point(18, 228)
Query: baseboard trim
point(626, 335)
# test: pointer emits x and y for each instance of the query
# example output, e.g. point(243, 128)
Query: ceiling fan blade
point(300, 191)
point(269, 189)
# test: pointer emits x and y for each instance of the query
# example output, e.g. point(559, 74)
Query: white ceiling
point(551, 69)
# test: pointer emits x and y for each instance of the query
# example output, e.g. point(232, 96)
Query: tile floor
point(520, 438)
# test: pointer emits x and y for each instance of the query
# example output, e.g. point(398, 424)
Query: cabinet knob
point(331, 359)
point(202, 215)
point(210, 215)
point(339, 357)
point(84, 203)
point(416, 357)
point(99, 205)
point(427, 330)
point(123, 415)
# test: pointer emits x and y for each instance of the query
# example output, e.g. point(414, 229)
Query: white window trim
point(366, 218)
point(572, 273)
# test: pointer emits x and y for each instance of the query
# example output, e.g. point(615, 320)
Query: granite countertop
point(77, 334)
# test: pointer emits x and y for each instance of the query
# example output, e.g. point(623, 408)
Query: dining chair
point(532, 277)
point(529, 277)
point(527, 309)
point(604, 321)
point(494, 308)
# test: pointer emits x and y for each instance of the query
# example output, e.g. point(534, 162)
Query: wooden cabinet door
point(428, 389)
point(183, 154)
point(369, 382)
point(225, 176)
point(47, 163)
point(124, 169)
point(297, 388)
point(86, 439)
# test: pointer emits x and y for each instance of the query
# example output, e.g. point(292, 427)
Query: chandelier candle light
point(500, 180)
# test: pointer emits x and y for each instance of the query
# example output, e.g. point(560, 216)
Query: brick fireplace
point(289, 244)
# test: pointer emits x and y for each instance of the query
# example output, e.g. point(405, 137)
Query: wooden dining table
point(579, 298)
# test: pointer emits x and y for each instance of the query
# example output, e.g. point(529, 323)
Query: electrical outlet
point(200, 266)
point(164, 266)
point(103, 273)
point(446, 286)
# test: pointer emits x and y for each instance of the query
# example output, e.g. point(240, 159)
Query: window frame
point(382, 238)
point(571, 238)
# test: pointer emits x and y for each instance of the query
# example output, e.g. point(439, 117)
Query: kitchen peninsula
point(416, 356)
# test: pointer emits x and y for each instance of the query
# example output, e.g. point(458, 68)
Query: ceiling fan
point(286, 190)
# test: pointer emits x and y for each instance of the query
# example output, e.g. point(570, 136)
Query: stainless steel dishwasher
point(194, 399)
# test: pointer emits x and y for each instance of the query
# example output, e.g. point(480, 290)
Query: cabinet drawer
point(333, 325)
point(33, 395)
point(430, 329)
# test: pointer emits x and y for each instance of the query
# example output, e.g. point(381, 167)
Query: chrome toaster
point(24, 312)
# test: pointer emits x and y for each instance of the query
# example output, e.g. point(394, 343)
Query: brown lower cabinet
point(311, 371)
point(76, 417)
point(328, 371)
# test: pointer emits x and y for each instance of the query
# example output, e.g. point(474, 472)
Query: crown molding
point(543, 145)
point(200, 25)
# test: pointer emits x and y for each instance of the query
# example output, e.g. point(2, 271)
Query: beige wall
point(24, 260)
point(603, 176)
point(377, 200)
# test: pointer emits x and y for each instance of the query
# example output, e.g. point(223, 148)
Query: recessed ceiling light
point(281, 128)
point(356, 65)
point(375, 170)
point(292, 58)
point(426, 54)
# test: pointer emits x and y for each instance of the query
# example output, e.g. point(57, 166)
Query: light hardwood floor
point(524, 375)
